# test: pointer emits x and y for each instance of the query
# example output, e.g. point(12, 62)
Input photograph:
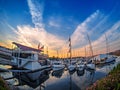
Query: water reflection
point(33, 80)
point(61, 79)
point(92, 74)
point(80, 72)
point(105, 64)
point(58, 73)
point(72, 72)
point(70, 82)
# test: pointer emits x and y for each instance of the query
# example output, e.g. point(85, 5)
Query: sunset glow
point(50, 23)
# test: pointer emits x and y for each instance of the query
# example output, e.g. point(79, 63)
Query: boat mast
point(107, 50)
point(90, 45)
point(70, 49)
point(57, 54)
point(47, 51)
point(85, 53)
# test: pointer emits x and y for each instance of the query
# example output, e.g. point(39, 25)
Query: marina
point(60, 80)
point(59, 45)
point(30, 69)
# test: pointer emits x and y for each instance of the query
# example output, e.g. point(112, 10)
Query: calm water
point(60, 80)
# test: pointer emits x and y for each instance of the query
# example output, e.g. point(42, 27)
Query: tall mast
point(67, 54)
point(90, 45)
point(47, 51)
point(70, 48)
point(85, 52)
point(107, 50)
point(57, 54)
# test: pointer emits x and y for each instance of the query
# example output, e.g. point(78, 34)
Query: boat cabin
point(29, 58)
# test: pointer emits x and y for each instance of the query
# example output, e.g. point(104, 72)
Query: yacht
point(31, 59)
point(110, 59)
point(57, 65)
point(72, 66)
point(80, 66)
point(90, 66)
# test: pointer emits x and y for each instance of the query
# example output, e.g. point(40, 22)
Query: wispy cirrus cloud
point(112, 35)
point(36, 11)
point(94, 25)
point(31, 36)
point(80, 33)
point(53, 24)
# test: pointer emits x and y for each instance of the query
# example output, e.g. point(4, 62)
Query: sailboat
point(71, 66)
point(90, 65)
point(109, 59)
point(81, 64)
point(57, 65)
point(80, 67)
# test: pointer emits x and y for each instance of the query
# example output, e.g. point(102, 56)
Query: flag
point(42, 47)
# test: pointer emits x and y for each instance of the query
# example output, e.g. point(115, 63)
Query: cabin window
point(43, 62)
point(22, 55)
point(25, 55)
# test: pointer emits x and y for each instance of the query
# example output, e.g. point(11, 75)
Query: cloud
point(110, 34)
point(7, 32)
point(31, 36)
point(53, 23)
point(79, 35)
point(95, 25)
point(36, 11)
point(113, 39)
point(39, 34)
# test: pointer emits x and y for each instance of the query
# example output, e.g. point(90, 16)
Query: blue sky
point(51, 22)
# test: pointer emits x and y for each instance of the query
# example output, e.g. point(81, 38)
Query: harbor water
point(57, 80)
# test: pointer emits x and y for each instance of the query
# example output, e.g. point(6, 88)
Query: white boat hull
point(90, 66)
point(110, 60)
point(58, 67)
point(71, 67)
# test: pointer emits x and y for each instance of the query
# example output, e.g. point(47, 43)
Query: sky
point(52, 22)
